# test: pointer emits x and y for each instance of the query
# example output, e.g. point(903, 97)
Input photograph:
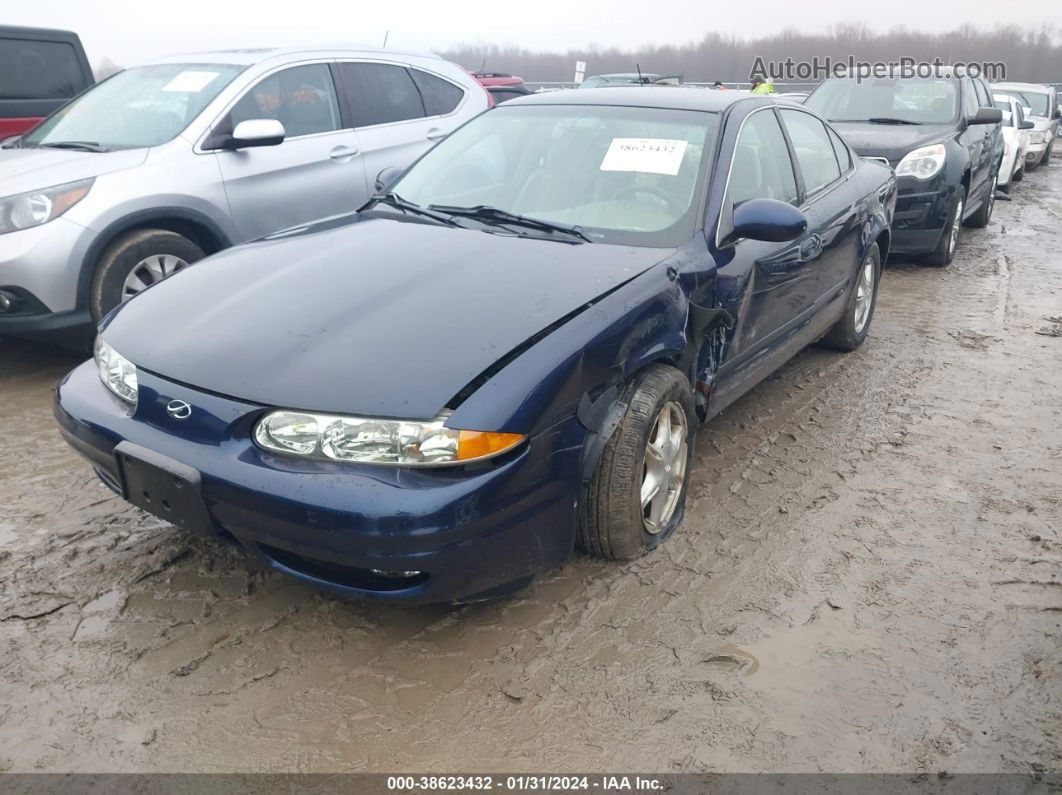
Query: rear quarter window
point(39, 70)
point(440, 96)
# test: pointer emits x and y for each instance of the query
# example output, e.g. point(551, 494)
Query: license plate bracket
point(163, 487)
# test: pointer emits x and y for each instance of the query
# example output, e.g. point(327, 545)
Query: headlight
point(40, 206)
point(377, 441)
point(116, 372)
point(1037, 137)
point(922, 163)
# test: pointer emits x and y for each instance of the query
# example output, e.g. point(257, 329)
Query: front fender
point(641, 322)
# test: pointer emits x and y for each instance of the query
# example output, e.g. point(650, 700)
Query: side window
point(440, 96)
point(813, 148)
point(762, 168)
point(38, 70)
point(381, 93)
point(844, 157)
point(970, 102)
point(302, 98)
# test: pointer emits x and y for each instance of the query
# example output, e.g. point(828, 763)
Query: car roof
point(669, 97)
point(254, 55)
point(1038, 87)
point(46, 33)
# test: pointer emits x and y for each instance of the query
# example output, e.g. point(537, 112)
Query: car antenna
point(640, 78)
point(386, 34)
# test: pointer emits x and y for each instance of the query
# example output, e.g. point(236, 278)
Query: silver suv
point(168, 162)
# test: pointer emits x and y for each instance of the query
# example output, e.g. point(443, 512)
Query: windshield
point(913, 100)
point(145, 106)
point(624, 175)
point(1038, 102)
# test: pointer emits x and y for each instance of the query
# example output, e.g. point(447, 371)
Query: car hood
point(891, 141)
point(32, 169)
point(373, 317)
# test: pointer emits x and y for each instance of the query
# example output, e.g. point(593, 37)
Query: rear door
point(37, 76)
point(399, 111)
point(315, 172)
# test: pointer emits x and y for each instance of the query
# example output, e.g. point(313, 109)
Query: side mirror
point(257, 132)
point(1026, 125)
point(1057, 114)
point(769, 220)
point(386, 178)
point(986, 116)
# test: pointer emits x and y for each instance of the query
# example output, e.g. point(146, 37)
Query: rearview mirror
point(986, 116)
point(1026, 125)
point(386, 178)
point(257, 132)
point(769, 220)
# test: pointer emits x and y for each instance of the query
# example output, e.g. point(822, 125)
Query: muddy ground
point(869, 578)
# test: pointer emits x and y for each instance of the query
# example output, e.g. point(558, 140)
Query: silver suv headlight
point(922, 163)
point(369, 440)
point(36, 207)
point(116, 372)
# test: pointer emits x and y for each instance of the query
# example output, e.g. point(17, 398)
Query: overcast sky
point(131, 31)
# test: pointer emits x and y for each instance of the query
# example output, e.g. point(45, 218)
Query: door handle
point(342, 152)
point(434, 134)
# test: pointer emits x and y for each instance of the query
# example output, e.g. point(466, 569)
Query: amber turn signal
point(479, 444)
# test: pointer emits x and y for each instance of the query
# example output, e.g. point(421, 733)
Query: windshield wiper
point(406, 206)
point(82, 146)
point(483, 212)
point(889, 120)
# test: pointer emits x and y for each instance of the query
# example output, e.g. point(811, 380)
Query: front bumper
point(1035, 154)
point(40, 267)
point(469, 530)
point(920, 217)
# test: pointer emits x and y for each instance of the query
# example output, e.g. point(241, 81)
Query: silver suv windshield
point(887, 99)
point(624, 175)
point(140, 107)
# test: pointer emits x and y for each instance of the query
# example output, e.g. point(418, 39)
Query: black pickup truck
point(40, 69)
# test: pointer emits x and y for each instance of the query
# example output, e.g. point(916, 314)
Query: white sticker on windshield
point(190, 82)
point(646, 155)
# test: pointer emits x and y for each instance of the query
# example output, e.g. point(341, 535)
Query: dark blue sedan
point(505, 355)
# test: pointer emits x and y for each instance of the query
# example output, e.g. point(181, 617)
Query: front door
point(317, 171)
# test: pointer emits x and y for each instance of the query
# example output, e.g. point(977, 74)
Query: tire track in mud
point(864, 581)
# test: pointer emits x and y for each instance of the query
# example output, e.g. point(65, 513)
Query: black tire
point(944, 253)
point(844, 335)
point(1004, 188)
point(610, 517)
point(980, 219)
point(124, 254)
point(1019, 175)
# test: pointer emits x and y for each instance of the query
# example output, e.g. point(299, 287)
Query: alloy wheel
point(149, 271)
point(864, 295)
point(664, 472)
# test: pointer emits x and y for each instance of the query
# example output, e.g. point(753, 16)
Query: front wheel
point(1019, 175)
point(851, 330)
point(636, 496)
point(136, 261)
point(944, 253)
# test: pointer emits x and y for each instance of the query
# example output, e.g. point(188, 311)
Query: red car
point(495, 79)
point(41, 70)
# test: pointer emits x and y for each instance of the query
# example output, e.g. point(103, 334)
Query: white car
point(1015, 140)
point(1043, 103)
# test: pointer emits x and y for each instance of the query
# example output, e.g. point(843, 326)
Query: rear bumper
point(468, 530)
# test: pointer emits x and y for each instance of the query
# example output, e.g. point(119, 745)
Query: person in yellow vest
point(761, 86)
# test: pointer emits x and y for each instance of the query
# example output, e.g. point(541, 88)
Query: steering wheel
point(665, 198)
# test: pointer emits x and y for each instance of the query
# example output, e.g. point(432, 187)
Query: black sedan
point(505, 354)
